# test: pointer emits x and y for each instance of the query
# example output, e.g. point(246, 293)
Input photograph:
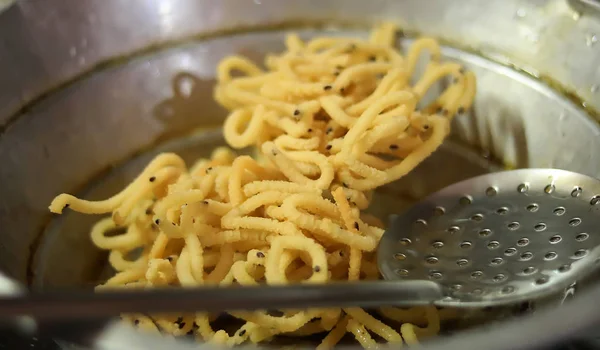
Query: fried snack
point(331, 119)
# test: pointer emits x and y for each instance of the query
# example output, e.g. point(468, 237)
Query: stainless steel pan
point(89, 90)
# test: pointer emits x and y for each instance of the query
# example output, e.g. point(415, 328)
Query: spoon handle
point(65, 305)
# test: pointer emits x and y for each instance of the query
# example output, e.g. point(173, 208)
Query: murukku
point(327, 122)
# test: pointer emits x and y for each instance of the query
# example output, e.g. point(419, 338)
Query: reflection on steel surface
point(51, 42)
point(62, 141)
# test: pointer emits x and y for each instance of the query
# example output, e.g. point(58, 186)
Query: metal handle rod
point(48, 306)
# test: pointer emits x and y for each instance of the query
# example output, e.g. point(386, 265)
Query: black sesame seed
point(157, 221)
point(274, 151)
point(149, 211)
point(341, 253)
point(393, 146)
point(317, 268)
point(152, 178)
point(260, 254)
point(173, 223)
point(461, 110)
point(242, 332)
point(170, 258)
point(136, 322)
point(275, 313)
point(327, 87)
point(181, 325)
point(356, 226)
point(179, 320)
point(204, 202)
point(372, 58)
point(342, 89)
point(309, 130)
point(328, 147)
point(296, 112)
point(425, 127)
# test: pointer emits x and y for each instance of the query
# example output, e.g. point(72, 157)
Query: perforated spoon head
point(499, 238)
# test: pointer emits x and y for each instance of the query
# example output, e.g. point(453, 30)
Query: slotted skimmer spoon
point(499, 238)
point(496, 239)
